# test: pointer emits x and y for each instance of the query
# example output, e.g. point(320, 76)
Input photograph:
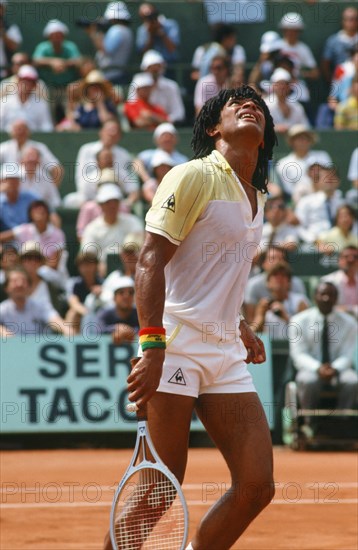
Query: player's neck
point(242, 161)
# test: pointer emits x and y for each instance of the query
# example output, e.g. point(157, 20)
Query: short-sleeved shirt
point(30, 320)
point(51, 240)
point(133, 110)
point(13, 214)
point(109, 318)
point(202, 207)
point(337, 47)
point(69, 51)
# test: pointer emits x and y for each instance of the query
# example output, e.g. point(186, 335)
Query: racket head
point(149, 511)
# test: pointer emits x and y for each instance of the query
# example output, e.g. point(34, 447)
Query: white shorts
point(193, 366)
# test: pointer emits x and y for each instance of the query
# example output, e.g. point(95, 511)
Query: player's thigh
point(237, 424)
point(169, 418)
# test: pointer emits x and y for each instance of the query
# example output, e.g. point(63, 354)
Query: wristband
point(152, 337)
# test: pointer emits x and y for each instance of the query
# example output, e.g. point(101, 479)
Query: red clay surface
point(60, 500)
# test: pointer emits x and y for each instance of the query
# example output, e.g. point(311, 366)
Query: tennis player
point(203, 230)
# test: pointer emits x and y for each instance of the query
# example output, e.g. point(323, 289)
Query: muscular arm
point(150, 297)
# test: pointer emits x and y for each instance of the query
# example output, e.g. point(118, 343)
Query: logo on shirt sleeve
point(169, 204)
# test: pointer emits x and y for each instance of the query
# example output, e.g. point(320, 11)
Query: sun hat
point(28, 72)
point(292, 20)
point(270, 42)
point(141, 80)
point(117, 10)
point(319, 158)
point(55, 25)
point(299, 129)
point(280, 74)
point(122, 282)
point(108, 192)
point(151, 57)
point(165, 127)
point(96, 77)
point(161, 157)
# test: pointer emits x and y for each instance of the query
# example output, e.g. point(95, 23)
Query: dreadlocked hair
point(210, 114)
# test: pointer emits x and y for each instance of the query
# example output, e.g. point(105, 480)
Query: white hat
point(299, 129)
point(291, 20)
point(151, 57)
point(280, 74)
point(117, 10)
point(161, 157)
point(108, 192)
point(28, 72)
point(321, 158)
point(54, 25)
point(270, 42)
point(163, 128)
point(10, 170)
point(133, 241)
point(141, 80)
point(108, 175)
point(122, 282)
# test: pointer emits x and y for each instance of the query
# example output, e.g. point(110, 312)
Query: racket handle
point(132, 407)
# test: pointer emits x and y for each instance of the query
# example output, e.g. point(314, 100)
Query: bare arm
point(6, 235)
point(150, 296)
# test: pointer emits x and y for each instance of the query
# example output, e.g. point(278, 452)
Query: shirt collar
point(219, 160)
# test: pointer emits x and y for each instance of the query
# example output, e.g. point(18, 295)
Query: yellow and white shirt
point(202, 207)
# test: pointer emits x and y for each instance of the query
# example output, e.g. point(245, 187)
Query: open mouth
point(248, 116)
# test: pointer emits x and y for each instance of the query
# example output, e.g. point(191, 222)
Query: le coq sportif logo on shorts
point(178, 378)
point(169, 204)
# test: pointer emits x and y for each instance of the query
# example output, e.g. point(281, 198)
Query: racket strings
point(149, 514)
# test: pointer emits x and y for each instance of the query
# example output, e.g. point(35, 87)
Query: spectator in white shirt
point(276, 230)
point(352, 194)
point(346, 280)
point(87, 173)
point(284, 109)
point(325, 360)
point(36, 179)
point(316, 212)
point(210, 85)
point(11, 150)
point(165, 92)
point(291, 26)
point(8, 85)
point(25, 104)
point(105, 234)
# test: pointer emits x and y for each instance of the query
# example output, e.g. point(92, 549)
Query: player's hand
point(254, 345)
point(144, 379)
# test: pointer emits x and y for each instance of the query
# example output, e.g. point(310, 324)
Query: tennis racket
point(149, 511)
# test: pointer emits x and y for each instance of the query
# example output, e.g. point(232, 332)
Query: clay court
point(60, 499)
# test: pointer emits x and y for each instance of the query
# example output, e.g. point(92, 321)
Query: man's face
point(31, 160)
point(275, 211)
point(325, 297)
point(20, 131)
point(17, 61)
point(17, 286)
point(242, 116)
point(328, 180)
point(279, 285)
point(39, 214)
point(124, 298)
point(110, 208)
point(167, 141)
point(348, 260)
point(110, 134)
point(273, 257)
point(56, 38)
point(350, 20)
point(10, 258)
point(26, 85)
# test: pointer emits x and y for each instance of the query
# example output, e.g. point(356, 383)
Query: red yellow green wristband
point(152, 337)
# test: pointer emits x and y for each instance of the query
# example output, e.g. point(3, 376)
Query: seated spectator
point(36, 180)
point(138, 109)
point(337, 45)
point(292, 169)
point(284, 111)
point(210, 85)
point(311, 183)
point(113, 45)
point(90, 209)
point(87, 282)
point(58, 60)
point(345, 279)
point(14, 203)
point(256, 286)
point(20, 315)
point(301, 55)
point(343, 76)
point(352, 176)
point(107, 232)
point(165, 92)
point(161, 164)
point(342, 233)
point(157, 33)
point(41, 291)
point(165, 138)
point(276, 229)
point(316, 212)
point(270, 49)
point(9, 258)
point(87, 174)
point(11, 151)
point(96, 106)
point(10, 39)
point(323, 353)
point(9, 85)
point(127, 262)
point(346, 114)
point(224, 43)
point(24, 104)
point(272, 314)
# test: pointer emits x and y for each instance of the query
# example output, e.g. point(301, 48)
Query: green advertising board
point(54, 384)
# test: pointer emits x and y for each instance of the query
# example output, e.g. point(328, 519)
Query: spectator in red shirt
point(138, 109)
